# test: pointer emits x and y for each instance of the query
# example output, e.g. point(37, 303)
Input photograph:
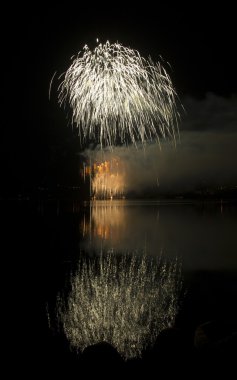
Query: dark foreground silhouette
point(210, 349)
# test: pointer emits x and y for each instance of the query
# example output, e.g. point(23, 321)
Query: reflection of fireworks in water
point(106, 222)
point(105, 226)
point(125, 301)
point(118, 96)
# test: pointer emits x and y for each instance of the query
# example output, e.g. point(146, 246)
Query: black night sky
point(37, 145)
point(39, 152)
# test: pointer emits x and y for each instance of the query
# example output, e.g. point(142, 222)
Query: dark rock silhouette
point(171, 343)
point(216, 347)
point(210, 349)
point(216, 336)
point(101, 351)
point(170, 354)
point(100, 357)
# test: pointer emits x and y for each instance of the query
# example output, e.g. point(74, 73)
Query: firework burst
point(117, 96)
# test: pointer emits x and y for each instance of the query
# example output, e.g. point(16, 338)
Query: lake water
point(42, 241)
point(203, 236)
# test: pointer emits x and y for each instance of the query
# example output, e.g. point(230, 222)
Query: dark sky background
point(37, 144)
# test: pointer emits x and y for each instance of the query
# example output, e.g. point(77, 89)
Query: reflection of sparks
point(124, 301)
point(118, 96)
point(106, 221)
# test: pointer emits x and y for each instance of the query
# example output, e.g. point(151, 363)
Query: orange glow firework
point(107, 179)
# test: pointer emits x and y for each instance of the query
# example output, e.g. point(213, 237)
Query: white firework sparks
point(125, 302)
point(117, 96)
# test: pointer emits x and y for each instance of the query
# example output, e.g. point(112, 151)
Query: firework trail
point(117, 96)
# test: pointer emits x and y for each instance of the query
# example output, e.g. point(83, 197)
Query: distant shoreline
point(126, 201)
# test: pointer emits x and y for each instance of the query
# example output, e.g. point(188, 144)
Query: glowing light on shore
point(117, 96)
point(108, 180)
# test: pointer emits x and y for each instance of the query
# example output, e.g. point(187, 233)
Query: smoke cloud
point(205, 155)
